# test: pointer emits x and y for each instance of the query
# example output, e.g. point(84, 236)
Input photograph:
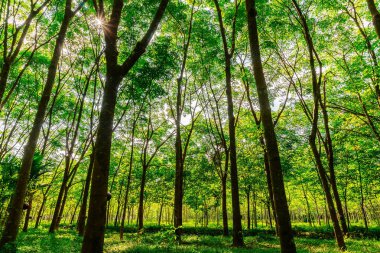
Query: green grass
point(66, 240)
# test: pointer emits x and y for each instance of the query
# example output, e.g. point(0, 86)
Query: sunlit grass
point(66, 240)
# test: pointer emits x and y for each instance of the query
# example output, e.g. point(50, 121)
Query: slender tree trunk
point(279, 196)
point(316, 82)
point(58, 204)
point(254, 210)
point(317, 210)
point(330, 157)
point(76, 207)
point(128, 182)
point(345, 196)
point(179, 151)
point(83, 208)
point(63, 204)
point(141, 200)
point(224, 206)
point(237, 233)
point(329, 199)
point(362, 207)
point(307, 206)
point(27, 215)
point(160, 213)
point(39, 215)
point(11, 229)
point(117, 218)
point(269, 183)
point(178, 188)
point(248, 210)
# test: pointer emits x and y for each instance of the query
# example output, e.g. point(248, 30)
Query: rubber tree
point(237, 230)
point(93, 240)
point(280, 202)
point(316, 85)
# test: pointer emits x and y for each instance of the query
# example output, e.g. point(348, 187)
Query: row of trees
point(110, 106)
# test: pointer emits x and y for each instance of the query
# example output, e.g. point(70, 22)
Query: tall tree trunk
point(94, 234)
point(330, 158)
point(179, 151)
point(95, 228)
point(237, 232)
point(279, 196)
point(11, 229)
point(316, 82)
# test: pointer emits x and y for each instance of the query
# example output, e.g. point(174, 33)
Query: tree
point(228, 54)
point(280, 202)
point(94, 233)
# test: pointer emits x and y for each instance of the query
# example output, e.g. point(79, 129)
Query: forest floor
point(195, 240)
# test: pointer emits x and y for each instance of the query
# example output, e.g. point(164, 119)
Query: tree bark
point(279, 196)
point(375, 16)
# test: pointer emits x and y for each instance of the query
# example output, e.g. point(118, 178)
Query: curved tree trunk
point(316, 83)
